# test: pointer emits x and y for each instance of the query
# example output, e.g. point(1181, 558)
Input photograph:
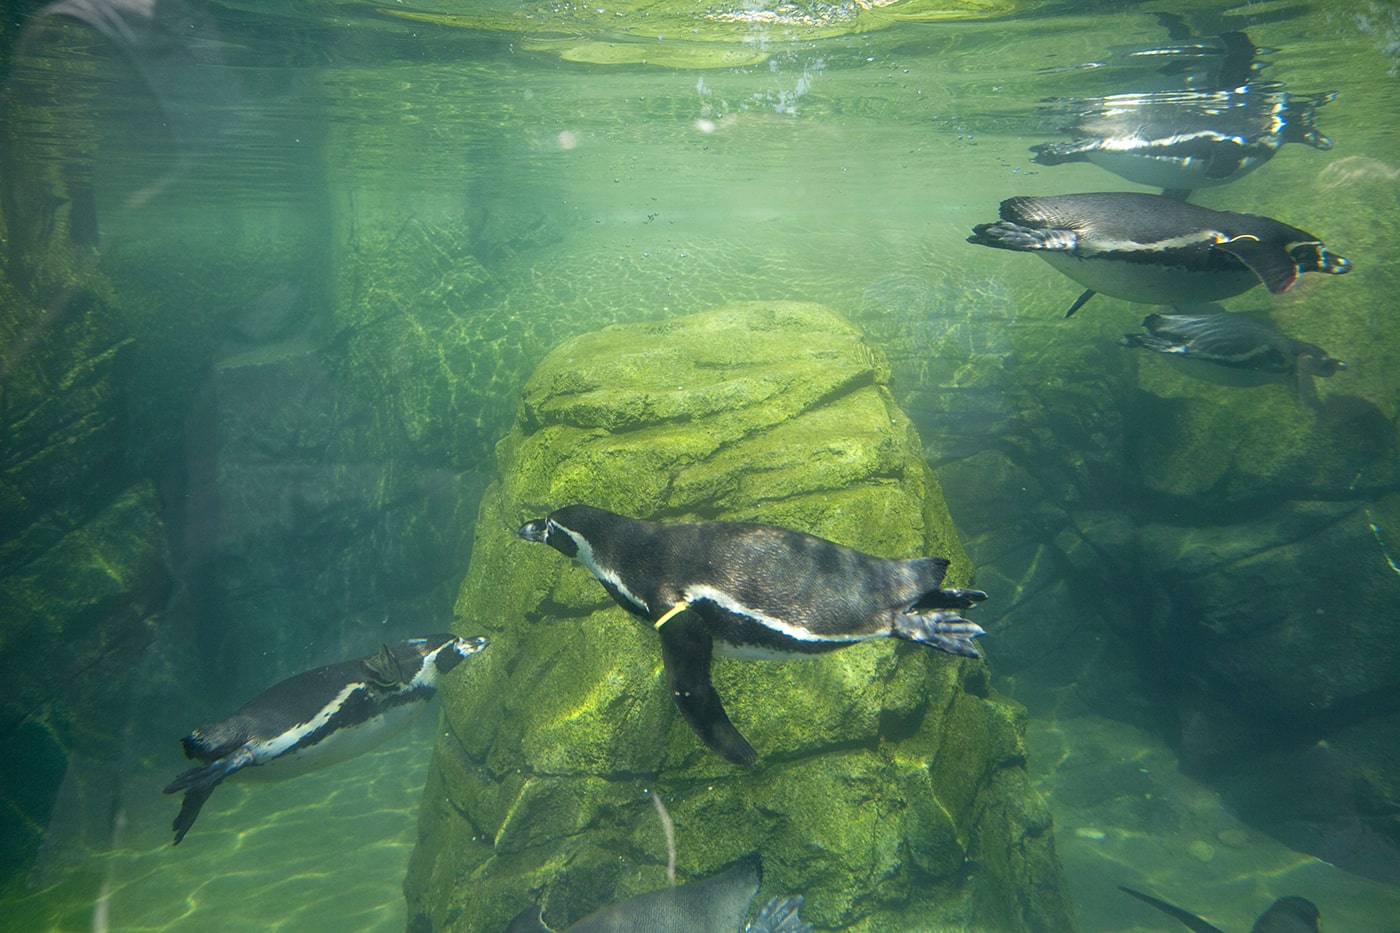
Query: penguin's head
point(1314, 257)
point(1314, 361)
point(547, 531)
point(438, 654)
point(566, 530)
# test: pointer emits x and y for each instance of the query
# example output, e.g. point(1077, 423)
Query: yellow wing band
point(678, 608)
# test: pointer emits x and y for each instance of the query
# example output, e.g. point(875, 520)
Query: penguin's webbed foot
point(779, 915)
point(946, 631)
point(955, 598)
point(1006, 234)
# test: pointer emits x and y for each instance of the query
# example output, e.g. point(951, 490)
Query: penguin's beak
point(533, 530)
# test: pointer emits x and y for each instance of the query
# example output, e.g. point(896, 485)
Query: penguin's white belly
point(759, 653)
point(1149, 283)
point(341, 745)
point(1162, 171)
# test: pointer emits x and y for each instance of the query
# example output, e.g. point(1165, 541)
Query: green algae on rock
point(882, 766)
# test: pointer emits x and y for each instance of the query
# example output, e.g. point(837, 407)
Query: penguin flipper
point(383, 668)
point(686, 651)
point(1189, 920)
point(1080, 302)
point(1274, 266)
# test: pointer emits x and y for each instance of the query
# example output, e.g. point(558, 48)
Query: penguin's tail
point(198, 784)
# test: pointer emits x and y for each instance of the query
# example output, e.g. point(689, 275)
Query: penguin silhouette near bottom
point(713, 905)
point(753, 591)
point(1290, 914)
point(318, 718)
point(1236, 348)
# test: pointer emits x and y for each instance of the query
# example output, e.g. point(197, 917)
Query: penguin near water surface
point(1156, 250)
point(318, 717)
point(1184, 140)
point(753, 591)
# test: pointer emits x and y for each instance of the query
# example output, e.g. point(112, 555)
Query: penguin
point(753, 591)
point(1227, 59)
point(1236, 349)
point(1156, 250)
point(713, 905)
point(1290, 914)
point(1181, 141)
point(318, 717)
point(1234, 340)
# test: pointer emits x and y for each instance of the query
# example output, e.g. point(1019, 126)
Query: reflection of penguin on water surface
point(318, 717)
point(1156, 250)
point(1184, 140)
point(753, 591)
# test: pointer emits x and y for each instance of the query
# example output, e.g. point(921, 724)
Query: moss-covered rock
point(881, 766)
point(75, 622)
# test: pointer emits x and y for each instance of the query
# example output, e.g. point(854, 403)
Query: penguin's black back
point(277, 709)
point(804, 580)
point(1140, 218)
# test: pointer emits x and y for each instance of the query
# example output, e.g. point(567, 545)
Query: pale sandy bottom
point(324, 851)
point(328, 851)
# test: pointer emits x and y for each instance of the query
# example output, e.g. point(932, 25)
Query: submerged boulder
point(891, 789)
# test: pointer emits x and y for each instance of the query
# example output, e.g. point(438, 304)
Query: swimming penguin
point(1184, 140)
point(1224, 60)
point(1286, 915)
point(1156, 250)
point(1235, 340)
point(318, 717)
point(714, 905)
point(753, 591)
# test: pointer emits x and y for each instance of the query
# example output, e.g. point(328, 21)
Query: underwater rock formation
point(1226, 554)
point(83, 560)
point(1275, 531)
point(892, 782)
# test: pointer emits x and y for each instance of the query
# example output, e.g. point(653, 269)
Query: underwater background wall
point(281, 289)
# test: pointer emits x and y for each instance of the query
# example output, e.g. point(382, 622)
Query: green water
point(473, 178)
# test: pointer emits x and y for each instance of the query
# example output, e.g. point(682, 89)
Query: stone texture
point(1224, 553)
point(883, 768)
point(82, 548)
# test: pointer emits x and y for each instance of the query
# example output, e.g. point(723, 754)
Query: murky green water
point(276, 200)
